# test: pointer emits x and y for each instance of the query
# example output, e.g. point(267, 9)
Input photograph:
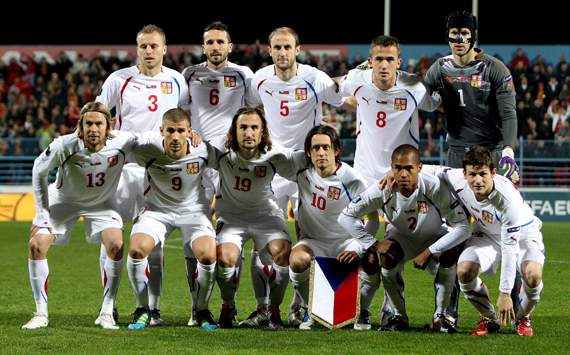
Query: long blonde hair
point(95, 106)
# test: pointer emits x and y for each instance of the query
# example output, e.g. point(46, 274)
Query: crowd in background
point(42, 100)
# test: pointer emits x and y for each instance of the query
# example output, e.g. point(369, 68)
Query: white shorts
point(64, 216)
point(331, 247)
point(159, 225)
point(262, 231)
point(483, 250)
point(412, 246)
point(129, 198)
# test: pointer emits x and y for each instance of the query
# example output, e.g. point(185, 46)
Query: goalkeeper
point(477, 95)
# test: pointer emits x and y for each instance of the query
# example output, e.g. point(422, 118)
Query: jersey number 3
point(153, 103)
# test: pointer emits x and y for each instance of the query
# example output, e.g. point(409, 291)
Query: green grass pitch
point(75, 297)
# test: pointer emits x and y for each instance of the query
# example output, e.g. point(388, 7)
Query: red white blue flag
point(335, 292)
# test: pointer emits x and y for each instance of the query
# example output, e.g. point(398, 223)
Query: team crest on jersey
point(300, 94)
point(487, 217)
point(334, 193)
point(476, 80)
point(400, 104)
point(229, 81)
point(422, 207)
point(166, 87)
point(193, 168)
point(260, 171)
point(112, 161)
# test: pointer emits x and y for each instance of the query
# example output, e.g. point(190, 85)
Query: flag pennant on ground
point(334, 297)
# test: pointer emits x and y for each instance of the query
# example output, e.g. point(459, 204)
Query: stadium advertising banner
point(549, 204)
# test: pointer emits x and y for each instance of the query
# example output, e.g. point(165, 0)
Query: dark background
point(351, 22)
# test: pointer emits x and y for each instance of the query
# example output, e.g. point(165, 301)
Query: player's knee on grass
point(204, 249)
point(279, 250)
point(392, 257)
point(467, 271)
point(227, 254)
point(140, 246)
point(300, 259)
point(39, 245)
point(532, 273)
point(370, 263)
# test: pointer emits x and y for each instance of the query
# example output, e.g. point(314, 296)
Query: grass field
point(75, 297)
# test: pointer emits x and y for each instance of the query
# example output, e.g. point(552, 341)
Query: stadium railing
point(542, 163)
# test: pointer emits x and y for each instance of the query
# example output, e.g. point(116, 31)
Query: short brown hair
point(176, 115)
point(95, 106)
point(287, 30)
point(478, 156)
point(150, 29)
point(231, 139)
point(384, 41)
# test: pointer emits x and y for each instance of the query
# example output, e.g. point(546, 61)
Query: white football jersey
point(174, 185)
point(418, 216)
point(321, 200)
point(245, 185)
point(295, 106)
point(83, 178)
point(215, 96)
point(141, 100)
point(501, 216)
point(386, 118)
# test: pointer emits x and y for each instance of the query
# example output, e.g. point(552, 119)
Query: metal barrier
point(542, 163)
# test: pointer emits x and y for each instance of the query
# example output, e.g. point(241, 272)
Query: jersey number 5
point(284, 109)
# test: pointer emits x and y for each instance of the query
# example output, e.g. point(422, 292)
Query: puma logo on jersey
point(268, 92)
point(319, 188)
point(366, 99)
point(137, 87)
point(382, 102)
